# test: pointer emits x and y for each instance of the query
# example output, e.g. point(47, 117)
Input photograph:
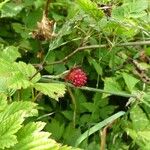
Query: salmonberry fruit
point(77, 77)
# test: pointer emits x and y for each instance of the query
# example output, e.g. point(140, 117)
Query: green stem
point(75, 106)
point(123, 94)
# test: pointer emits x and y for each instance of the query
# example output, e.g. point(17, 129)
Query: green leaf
point(24, 75)
point(8, 127)
point(71, 134)
point(3, 3)
point(107, 111)
point(80, 98)
point(68, 114)
point(10, 53)
point(3, 102)
point(31, 137)
point(53, 90)
point(4, 85)
point(27, 107)
point(22, 30)
point(130, 81)
point(28, 71)
point(65, 30)
point(99, 101)
point(135, 6)
point(17, 75)
point(141, 138)
point(90, 8)
point(19, 81)
point(89, 106)
point(29, 129)
point(6, 68)
point(139, 118)
point(56, 128)
point(131, 9)
point(96, 65)
point(11, 9)
point(111, 85)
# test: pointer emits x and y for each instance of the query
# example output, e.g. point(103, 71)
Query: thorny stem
point(123, 94)
point(93, 47)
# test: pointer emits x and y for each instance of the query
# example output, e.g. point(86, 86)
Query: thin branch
point(93, 47)
point(91, 89)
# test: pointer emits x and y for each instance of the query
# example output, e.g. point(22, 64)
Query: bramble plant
point(74, 75)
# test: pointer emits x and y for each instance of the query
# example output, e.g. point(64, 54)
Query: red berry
point(77, 77)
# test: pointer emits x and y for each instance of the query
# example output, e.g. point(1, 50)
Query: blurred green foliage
point(115, 65)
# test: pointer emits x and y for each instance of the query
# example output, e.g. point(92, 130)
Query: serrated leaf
point(142, 138)
point(27, 107)
point(30, 129)
point(71, 134)
point(27, 70)
point(3, 101)
point(89, 106)
point(10, 53)
point(24, 75)
point(96, 65)
point(68, 148)
point(111, 85)
point(53, 90)
point(139, 118)
point(32, 138)
point(90, 8)
point(8, 127)
point(22, 30)
point(106, 111)
point(68, 114)
point(3, 3)
point(18, 75)
point(130, 81)
point(98, 101)
point(135, 6)
point(19, 81)
point(6, 68)
point(56, 128)
point(11, 9)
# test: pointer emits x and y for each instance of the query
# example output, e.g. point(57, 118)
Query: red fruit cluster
point(77, 77)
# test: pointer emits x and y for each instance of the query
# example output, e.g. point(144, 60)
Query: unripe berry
point(77, 77)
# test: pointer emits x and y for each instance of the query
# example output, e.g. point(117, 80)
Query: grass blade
point(98, 126)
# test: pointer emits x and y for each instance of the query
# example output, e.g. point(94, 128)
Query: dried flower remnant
point(45, 29)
